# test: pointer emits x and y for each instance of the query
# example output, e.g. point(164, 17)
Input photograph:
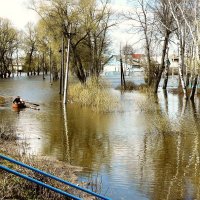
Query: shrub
point(7, 132)
point(94, 94)
point(132, 86)
point(2, 100)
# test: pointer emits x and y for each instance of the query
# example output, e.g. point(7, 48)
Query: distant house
point(173, 61)
point(137, 56)
point(113, 65)
point(136, 60)
point(131, 63)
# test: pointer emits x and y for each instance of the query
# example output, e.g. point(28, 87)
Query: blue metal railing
point(47, 175)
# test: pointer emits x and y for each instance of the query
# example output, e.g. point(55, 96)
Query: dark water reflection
point(149, 149)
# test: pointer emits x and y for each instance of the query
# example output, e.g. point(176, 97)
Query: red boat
point(19, 105)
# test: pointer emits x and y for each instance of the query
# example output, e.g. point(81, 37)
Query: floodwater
point(148, 149)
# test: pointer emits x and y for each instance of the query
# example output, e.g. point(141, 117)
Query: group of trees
point(85, 22)
point(8, 45)
point(162, 22)
point(17, 47)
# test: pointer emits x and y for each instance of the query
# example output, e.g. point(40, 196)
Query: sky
point(16, 11)
point(19, 14)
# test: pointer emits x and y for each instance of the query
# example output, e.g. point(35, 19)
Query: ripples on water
point(147, 150)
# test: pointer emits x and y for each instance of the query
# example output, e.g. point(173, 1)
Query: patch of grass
point(149, 104)
point(7, 132)
point(94, 94)
point(130, 86)
point(160, 124)
point(179, 91)
point(2, 100)
point(13, 187)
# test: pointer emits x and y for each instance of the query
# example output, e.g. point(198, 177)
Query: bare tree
point(181, 35)
point(144, 22)
point(8, 45)
point(90, 22)
point(164, 20)
point(29, 45)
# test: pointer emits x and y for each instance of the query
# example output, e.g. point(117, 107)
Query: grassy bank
point(13, 187)
point(179, 91)
point(131, 86)
point(94, 94)
point(2, 100)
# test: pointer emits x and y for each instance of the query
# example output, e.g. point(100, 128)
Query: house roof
point(137, 56)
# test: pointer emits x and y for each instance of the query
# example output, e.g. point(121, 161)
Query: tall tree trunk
point(38, 69)
point(43, 66)
point(123, 83)
point(50, 65)
point(187, 79)
point(194, 88)
point(166, 70)
point(78, 65)
point(180, 67)
point(166, 76)
point(162, 66)
point(30, 61)
point(148, 62)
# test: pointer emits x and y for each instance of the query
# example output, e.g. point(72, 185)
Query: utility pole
point(38, 69)
point(62, 65)
point(17, 62)
point(67, 66)
point(50, 64)
point(123, 83)
point(43, 66)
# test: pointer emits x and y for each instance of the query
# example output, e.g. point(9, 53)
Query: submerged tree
point(30, 46)
point(164, 20)
point(143, 22)
point(159, 21)
point(8, 45)
point(89, 21)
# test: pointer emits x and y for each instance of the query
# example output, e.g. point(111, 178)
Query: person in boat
point(18, 100)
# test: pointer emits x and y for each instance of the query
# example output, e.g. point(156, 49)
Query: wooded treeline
point(89, 21)
point(162, 23)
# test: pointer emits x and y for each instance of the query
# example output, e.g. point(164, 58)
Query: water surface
point(129, 149)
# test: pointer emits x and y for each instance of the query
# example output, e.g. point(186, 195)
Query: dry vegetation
point(130, 86)
point(158, 120)
point(93, 94)
point(7, 132)
point(13, 187)
point(2, 100)
point(179, 91)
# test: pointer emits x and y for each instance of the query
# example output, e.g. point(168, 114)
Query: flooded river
point(148, 149)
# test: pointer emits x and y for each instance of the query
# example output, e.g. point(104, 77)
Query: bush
point(93, 94)
point(2, 100)
point(130, 86)
point(7, 132)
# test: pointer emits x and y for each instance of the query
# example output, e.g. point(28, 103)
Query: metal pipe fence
point(47, 175)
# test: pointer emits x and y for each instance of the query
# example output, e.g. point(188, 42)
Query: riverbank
point(13, 187)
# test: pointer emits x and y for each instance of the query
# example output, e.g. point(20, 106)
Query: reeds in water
point(94, 94)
